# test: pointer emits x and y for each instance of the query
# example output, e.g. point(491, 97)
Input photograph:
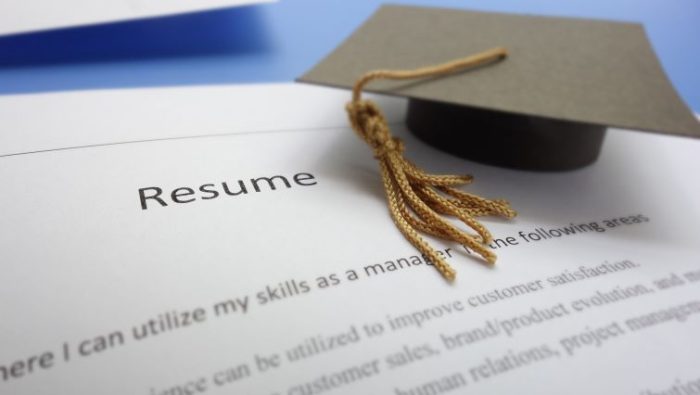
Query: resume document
point(236, 240)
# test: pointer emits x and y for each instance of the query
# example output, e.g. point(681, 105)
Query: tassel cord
point(415, 198)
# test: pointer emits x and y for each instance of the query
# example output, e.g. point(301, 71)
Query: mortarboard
point(546, 107)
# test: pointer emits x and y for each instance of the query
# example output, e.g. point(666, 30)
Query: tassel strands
point(418, 200)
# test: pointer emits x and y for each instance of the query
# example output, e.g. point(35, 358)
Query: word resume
point(236, 240)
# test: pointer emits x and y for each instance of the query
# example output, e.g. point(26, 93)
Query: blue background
point(279, 41)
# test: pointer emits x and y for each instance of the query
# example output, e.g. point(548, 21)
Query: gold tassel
point(417, 199)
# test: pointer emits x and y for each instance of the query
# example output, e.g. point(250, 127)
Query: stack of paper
point(22, 16)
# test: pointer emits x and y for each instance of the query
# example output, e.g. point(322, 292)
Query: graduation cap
point(546, 107)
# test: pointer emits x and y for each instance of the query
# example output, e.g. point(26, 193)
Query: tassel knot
point(368, 121)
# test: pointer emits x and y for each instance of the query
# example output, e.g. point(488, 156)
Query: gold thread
point(415, 198)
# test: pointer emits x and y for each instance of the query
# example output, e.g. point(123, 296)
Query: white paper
point(22, 16)
point(84, 266)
